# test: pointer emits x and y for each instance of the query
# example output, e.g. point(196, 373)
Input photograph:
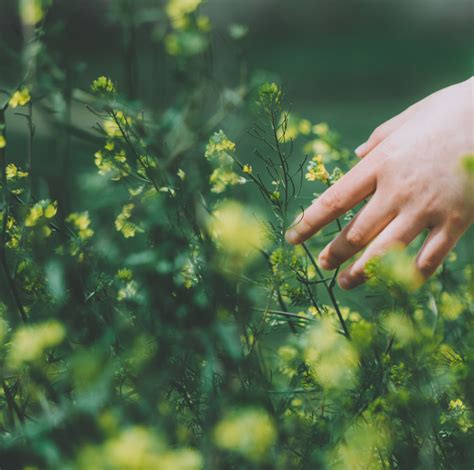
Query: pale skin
point(411, 169)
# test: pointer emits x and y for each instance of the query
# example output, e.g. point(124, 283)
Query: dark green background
point(353, 63)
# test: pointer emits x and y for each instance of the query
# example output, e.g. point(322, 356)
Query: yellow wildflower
point(81, 222)
point(12, 172)
point(332, 358)
point(31, 11)
point(124, 274)
point(123, 224)
point(20, 98)
point(236, 231)
point(103, 85)
point(304, 127)
point(36, 212)
point(321, 129)
point(51, 210)
point(249, 432)
point(316, 171)
point(248, 169)
point(450, 306)
point(178, 11)
point(203, 23)
point(3, 141)
point(29, 342)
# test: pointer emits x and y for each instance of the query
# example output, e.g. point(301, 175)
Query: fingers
point(436, 247)
point(386, 129)
point(352, 188)
point(401, 231)
point(368, 223)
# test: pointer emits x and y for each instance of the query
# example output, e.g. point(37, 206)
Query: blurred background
point(352, 63)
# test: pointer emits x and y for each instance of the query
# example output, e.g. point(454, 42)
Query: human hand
point(411, 167)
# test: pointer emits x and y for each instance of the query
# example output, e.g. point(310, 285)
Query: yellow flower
point(30, 342)
point(333, 359)
point(13, 172)
point(248, 169)
point(31, 11)
point(34, 215)
point(51, 210)
point(81, 222)
point(316, 171)
point(236, 231)
point(395, 268)
point(304, 127)
point(39, 213)
point(220, 148)
point(321, 129)
point(103, 85)
point(124, 274)
point(3, 141)
point(457, 405)
point(123, 224)
point(109, 145)
point(250, 432)
point(178, 10)
point(138, 448)
point(20, 98)
point(450, 306)
point(203, 23)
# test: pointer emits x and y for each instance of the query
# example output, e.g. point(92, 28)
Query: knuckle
point(332, 200)
point(457, 220)
point(355, 238)
point(428, 265)
point(377, 135)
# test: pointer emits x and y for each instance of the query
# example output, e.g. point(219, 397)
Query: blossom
point(31, 11)
point(332, 359)
point(123, 224)
point(13, 172)
point(250, 432)
point(137, 448)
point(220, 148)
point(81, 222)
point(220, 151)
point(247, 169)
point(236, 231)
point(40, 211)
point(321, 129)
point(3, 141)
point(304, 126)
point(269, 96)
point(316, 171)
point(20, 98)
point(103, 85)
point(178, 11)
point(30, 342)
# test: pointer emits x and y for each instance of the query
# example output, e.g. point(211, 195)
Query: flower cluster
point(220, 151)
point(316, 171)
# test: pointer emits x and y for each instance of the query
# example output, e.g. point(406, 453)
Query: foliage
point(151, 314)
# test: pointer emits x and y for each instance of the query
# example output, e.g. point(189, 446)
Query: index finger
point(351, 189)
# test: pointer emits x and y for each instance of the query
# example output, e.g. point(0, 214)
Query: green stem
point(329, 290)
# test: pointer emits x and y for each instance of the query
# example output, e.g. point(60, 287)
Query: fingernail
point(291, 236)
point(324, 262)
point(344, 282)
point(361, 149)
